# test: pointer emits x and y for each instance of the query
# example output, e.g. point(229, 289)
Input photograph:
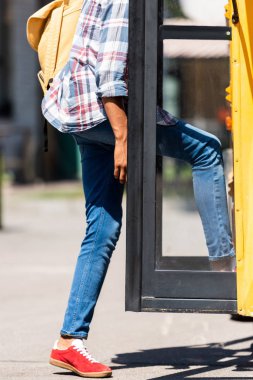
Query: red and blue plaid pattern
point(97, 68)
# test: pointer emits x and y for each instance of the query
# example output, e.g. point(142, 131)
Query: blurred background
point(21, 124)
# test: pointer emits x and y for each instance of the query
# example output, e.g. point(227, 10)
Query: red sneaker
point(77, 359)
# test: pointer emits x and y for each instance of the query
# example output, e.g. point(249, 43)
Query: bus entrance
point(154, 281)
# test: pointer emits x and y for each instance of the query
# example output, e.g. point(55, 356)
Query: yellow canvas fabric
point(50, 32)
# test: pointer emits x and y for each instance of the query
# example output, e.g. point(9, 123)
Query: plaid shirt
point(97, 68)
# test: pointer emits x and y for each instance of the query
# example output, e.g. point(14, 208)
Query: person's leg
point(203, 151)
point(103, 196)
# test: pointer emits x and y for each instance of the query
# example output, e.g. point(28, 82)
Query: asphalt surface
point(38, 249)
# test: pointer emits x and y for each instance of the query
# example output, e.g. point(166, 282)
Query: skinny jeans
point(103, 196)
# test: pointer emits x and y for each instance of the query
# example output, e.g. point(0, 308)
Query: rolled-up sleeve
point(111, 67)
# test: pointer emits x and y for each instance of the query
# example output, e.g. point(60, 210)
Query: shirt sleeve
point(111, 67)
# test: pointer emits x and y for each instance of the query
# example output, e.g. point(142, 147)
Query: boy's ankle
point(224, 264)
point(64, 343)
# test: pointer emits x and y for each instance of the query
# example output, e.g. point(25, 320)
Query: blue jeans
point(104, 194)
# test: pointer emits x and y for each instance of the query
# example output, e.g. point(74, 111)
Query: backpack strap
point(45, 133)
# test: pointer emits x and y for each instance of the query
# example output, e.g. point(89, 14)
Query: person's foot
point(225, 264)
point(77, 359)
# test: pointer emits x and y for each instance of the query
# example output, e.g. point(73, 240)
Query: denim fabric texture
point(104, 194)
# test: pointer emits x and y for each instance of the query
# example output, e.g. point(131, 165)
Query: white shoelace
point(84, 352)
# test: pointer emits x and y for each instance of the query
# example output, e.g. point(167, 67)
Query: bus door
point(156, 280)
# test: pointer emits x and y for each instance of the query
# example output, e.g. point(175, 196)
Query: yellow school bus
point(239, 15)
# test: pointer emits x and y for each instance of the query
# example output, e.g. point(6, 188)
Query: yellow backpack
point(50, 32)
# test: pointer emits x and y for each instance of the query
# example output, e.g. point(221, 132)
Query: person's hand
point(120, 160)
point(115, 110)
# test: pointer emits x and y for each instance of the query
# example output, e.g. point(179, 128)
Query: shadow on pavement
point(208, 357)
point(66, 374)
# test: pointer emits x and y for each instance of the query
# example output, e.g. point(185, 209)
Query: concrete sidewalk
point(39, 246)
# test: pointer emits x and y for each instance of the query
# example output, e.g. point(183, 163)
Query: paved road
point(38, 251)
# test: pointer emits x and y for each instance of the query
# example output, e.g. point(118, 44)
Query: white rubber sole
point(60, 364)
